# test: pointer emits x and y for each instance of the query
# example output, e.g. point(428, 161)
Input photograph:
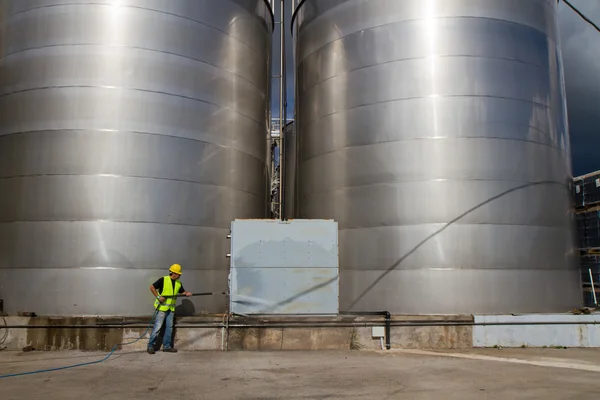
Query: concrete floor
point(396, 374)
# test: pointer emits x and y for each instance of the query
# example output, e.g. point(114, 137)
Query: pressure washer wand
point(194, 294)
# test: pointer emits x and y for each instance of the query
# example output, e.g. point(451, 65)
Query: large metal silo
point(435, 133)
point(131, 133)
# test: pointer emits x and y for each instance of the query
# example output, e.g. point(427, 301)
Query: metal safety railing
point(593, 286)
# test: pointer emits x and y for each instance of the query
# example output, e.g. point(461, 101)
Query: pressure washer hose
point(111, 352)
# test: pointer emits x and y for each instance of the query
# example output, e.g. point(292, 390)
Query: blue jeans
point(161, 316)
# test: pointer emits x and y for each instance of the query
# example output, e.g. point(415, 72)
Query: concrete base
point(216, 333)
point(563, 330)
point(306, 333)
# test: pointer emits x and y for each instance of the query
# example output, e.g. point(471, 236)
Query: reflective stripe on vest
point(168, 290)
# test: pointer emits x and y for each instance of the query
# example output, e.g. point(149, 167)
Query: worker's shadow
point(185, 309)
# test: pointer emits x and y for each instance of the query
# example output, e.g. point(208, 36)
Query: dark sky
point(289, 60)
point(581, 54)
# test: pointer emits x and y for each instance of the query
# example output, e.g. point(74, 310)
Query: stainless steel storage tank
point(131, 133)
point(435, 133)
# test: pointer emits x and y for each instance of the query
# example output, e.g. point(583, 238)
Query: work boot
point(171, 350)
point(151, 351)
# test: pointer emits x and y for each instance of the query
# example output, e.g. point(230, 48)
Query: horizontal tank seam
point(133, 90)
point(136, 48)
point(542, 133)
point(499, 224)
point(439, 96)
point(225, 269)
point(262, 161)
point(112, 221)
point(559, 268)
point(394, 183)
point(416, 139)
point(342, 269)
point(135, 8)
point(553, 39)
point(109, 175)
point(400, 60)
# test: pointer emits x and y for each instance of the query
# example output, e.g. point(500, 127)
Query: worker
point(161, 289)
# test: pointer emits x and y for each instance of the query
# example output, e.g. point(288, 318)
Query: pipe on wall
point(282, 107)
point(313, 324)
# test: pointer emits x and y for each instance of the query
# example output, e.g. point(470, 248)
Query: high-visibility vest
point(169, 289)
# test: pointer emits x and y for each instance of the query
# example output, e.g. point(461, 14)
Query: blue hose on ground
point(87, 363)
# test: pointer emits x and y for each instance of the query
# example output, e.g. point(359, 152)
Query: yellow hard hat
point(176, 269)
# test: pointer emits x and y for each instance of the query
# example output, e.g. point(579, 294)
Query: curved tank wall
point(435, 133)
point(131, 134)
